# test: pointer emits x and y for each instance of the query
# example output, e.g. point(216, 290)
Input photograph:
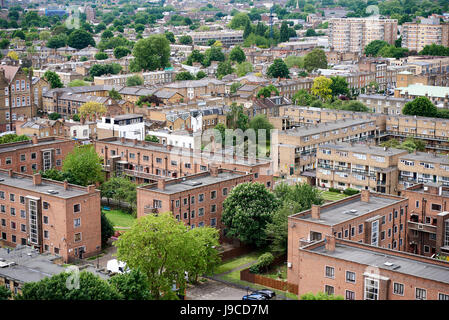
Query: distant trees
point(121, 51)
point(83, 165)
point(420, 106)
point(107, 230)
point(80, 39)
point(53, 78)
point(237, 55)
point(92, 108)
point(101, 56)
point(184, 75)
point(322, 88)
point(12, 137)
point(316, 59)
point(97, 70)
point(278, 69)
point(435, 50)
point(185, 39)
point(320, 296)
point(224, 68)
point(54, 116)
point(120, 189)
point(239, 21)
point(151, 53)
point(77, 83)
point(267, 91)
point(134, 80)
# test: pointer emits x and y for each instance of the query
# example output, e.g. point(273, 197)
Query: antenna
point(271, 24)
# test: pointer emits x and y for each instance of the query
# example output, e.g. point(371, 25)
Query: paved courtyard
point(214, 290)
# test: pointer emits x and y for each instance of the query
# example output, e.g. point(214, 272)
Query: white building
point(129, 126)
point(179, 138)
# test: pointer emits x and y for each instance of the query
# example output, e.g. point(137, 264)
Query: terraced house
point(16, 96)
point(358, 166)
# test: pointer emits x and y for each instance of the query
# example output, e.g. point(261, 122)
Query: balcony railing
point(421, 227)
point(150, 209)
point(140, 174)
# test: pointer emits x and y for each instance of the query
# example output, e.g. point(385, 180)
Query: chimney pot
point(330, 243)
point(37, 179)
point(316, 211)
point(34, 139)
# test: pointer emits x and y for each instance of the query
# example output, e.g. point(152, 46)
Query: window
point(8, 161)
point(417, 204)
point(77, 222)
point(22, 199)
point(22, 157)
point(436, 207)
point(13, 225)
point(201, 197)
point(77, 207)
point(45, 205)
point(200, 212)
point(213, 194)
point(225, 191)
point(350, 295)
point(177, 203)
point(374, 233)
point(2, 195)
point(371, 289)
point(4, 222)
point(78, 237)
point(330, 272)
point(192, 200)
point(12, 197)
point(23, 228)
point(13, 211)
point(158, 160)
point(398, 288)
point(329, 290)
point(22, 214)
point(421, 294)
point(360, 228)
point(46, 235)
point(192, 214)
point(213, 208)
point(350, 276)
point(442, 296)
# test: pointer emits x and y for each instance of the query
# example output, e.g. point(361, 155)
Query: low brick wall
point(245, 275)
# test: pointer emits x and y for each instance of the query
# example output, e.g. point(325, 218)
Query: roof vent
point(353, 211)
point(388, 264)
point(52, 191)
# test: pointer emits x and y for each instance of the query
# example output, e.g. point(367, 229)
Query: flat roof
point(7, 147)
point(363, 148)
point(421, 90)
point(427, 157)
point(26, 183)
point(196, 182)
point(342, 211)
point(308, 130)
point(403, 265)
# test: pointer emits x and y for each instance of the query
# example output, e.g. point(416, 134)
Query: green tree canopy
point(373, 48)
point(101, 56)
point(184, 75)
point(267, 91)
point(107, 230)
point(224, 68)
point(121, 51)
point(152, 53)
point(239, 21)
point(237, 55)
point(247, 210)
point(77, 83)
point(339, 86)
point(278, 69)
point(174, 250)
point(185, 39)
point(420, 106)
point(53, 78)
point(133, 285)
point(5, 294)
point(84, 165)
point(80, 39)
point(316, 59)
point(134, 80)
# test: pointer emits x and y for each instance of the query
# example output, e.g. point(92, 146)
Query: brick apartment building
point(372, 218)
point(52, 216)
point(359, 271)
point(35, 154)
point(295, 149)
point(197, 199)
point(429, 31)
point(147, 162)
point(428, 219)
point(358, 166)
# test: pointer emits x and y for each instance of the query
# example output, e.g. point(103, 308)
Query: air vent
point(388, 264)
point(353, 211)
point(52, 191)
point(1, 179)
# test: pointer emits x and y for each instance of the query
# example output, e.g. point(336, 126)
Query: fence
point(245, 275)
point(235, 252)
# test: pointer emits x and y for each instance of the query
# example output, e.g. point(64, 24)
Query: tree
point(294, 61)
point(54, 116)
point(114, 94)
point(239, 21)
point(213, 54)
point(97, 70)
point(77, 83)
point(170, 36)
point(235, 86)
point(53, 78)
point(267, 91)
point(322, 88)
point(80, 39)
point(373, 48)
point(243, 68)
point(57, 41)
point(224, 68)
point(311, 33)
point(185, 40)
point(121, 51)
point(107, 230)
point(302, 98)
point(247, 210)
point(278, 69)
point(84, 165)
point(76, 117)
point(284, 32)
point(434, 50)
point(4, 44)
point(248, 29)
point(107, 34)
point(152, 53)
point(132, 285)
point(355, 106)
point(91, 287)
point(237, 55)
point(316, 59)
point(121, 189)
point(13, 55)
point(92, 108)
point(420, 106)
point(277, 230)
point(5, 294)
point(101, 56)
point(151, 138)
point(173, 251)
point(236, 118)
point(134, 80)
point(260, 122)
point(184, 75)
point(200, 75)
point(339, 86)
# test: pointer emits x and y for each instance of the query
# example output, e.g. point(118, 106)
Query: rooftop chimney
point(316, 211)
point(34, 139)
point(66, 184)
point(330, 243)
point(135, 141)
point(91, 188)
point(10, 172)
point(365, 196)
point(213, 171)
point(122, 139)
point(37, 179)
point(161, 184)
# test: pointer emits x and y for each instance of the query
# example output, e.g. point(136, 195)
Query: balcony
point(150, 209)
point(421, 227)
point(140, 174)
point(381, 183)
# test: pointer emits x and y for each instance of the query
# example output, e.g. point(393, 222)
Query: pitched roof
point(10, 71)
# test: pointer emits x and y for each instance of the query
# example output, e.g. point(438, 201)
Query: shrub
point(350, 191)
point(335, 190)
point(254, 268)
point(263, 262)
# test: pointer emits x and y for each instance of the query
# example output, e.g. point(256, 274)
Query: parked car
point(266, 292)
point(255, 296)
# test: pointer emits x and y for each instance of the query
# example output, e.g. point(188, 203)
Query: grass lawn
point(119, 218)
point(237, 262)
point(274, 274)
point(332, 196)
